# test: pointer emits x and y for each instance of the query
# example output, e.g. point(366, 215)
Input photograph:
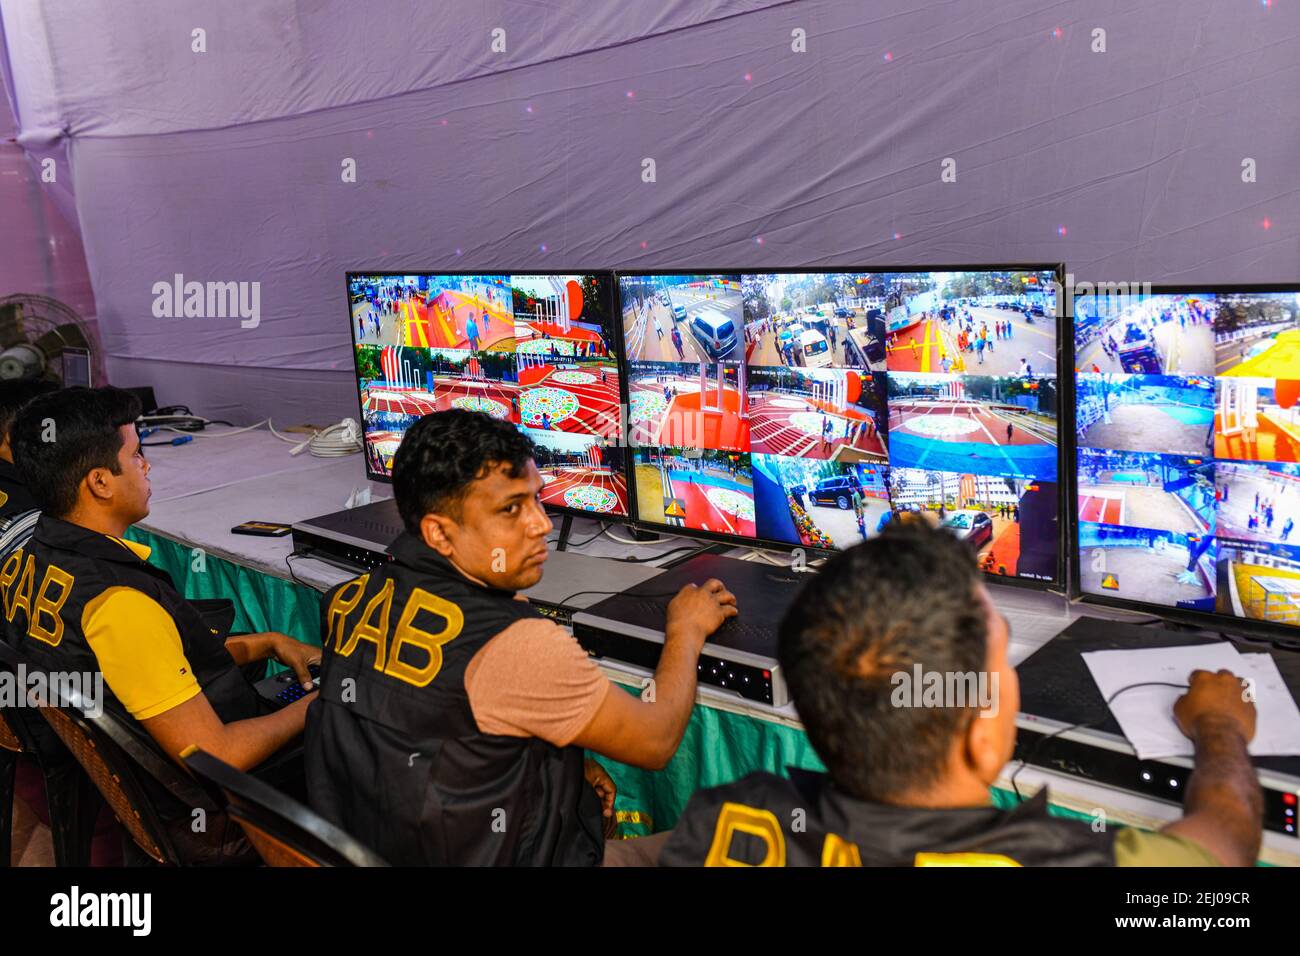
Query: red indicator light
point(767, 674)
point(1288, 799)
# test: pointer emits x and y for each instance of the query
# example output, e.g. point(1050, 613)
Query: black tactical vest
point(764, 819)
point(14, 496)
point(47, 584)
point(394, 755)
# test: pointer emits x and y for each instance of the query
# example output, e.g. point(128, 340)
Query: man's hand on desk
point(696, 612)
point(1223, 805)
point(296, 655)
point(292, 653)
point(1215, 701)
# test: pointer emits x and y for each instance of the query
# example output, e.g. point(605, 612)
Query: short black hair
point(443, 452)
point(14, 394)
point(903, 598)
point(59, 437)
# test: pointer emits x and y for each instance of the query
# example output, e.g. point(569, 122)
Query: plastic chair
point(72, 800)
point(119, 762)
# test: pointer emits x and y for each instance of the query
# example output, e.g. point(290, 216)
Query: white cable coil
point(332, 442)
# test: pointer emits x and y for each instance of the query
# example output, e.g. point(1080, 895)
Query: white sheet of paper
point(1277, 718)
point(1146, 714)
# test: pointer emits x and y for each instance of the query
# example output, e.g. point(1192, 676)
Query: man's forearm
point(246, 743)
point(247, 648)
point(1224, 787)
point(675, 680)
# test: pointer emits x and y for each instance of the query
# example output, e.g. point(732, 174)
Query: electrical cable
point(178, 417)
point(198, 434)
point(608, 532)
point(291, 439)
point(1087, 723)
point(659, 539)
point(335, 441)
point(756, 555)
point(288, 564)
point(657, 557)
point(578, 544)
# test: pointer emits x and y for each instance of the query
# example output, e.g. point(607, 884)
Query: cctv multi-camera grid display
point(1188, 453)
point(538, 349)
point(791, 408)
point(759, 404)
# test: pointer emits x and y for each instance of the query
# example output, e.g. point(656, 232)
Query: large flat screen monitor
point(539, 350)
point(1188, 436)
point(806, 409)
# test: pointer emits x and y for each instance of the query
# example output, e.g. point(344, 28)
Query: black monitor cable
point(288, 564)
point(656, 557)
point(578, 544)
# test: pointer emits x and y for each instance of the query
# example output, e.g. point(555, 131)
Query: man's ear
point(434, 530)
point(98, 484)
point(983, 750)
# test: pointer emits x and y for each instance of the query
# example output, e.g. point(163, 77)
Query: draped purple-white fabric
point(511, 135)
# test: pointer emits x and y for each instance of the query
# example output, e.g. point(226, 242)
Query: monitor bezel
point(1064, 359)
point(617, 342)
point(1212, 620)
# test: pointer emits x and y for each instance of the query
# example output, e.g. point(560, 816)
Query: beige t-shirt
point(1142, 848)
point(534, 680)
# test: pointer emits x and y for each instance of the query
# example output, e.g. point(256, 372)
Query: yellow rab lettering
point(367, 629)
point(963, 859)
point(46, 606)
point(343, 604)
point(7, 575)
point(431, 643)
point(837, 851)
point(737, 818)
point(24, 591)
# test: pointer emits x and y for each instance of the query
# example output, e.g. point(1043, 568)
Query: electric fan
point(41, 338)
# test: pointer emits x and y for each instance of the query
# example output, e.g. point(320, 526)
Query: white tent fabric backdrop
point(781, 133)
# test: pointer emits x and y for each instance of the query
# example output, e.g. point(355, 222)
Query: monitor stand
point(566, 527)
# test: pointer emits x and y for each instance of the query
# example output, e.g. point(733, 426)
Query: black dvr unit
point(739, 657)
point(357, 538)
point(1065, 726)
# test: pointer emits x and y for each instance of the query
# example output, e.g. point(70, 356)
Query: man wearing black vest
point(909, 785)
point(15, 498)
point(452, 716)
point(80, 598)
